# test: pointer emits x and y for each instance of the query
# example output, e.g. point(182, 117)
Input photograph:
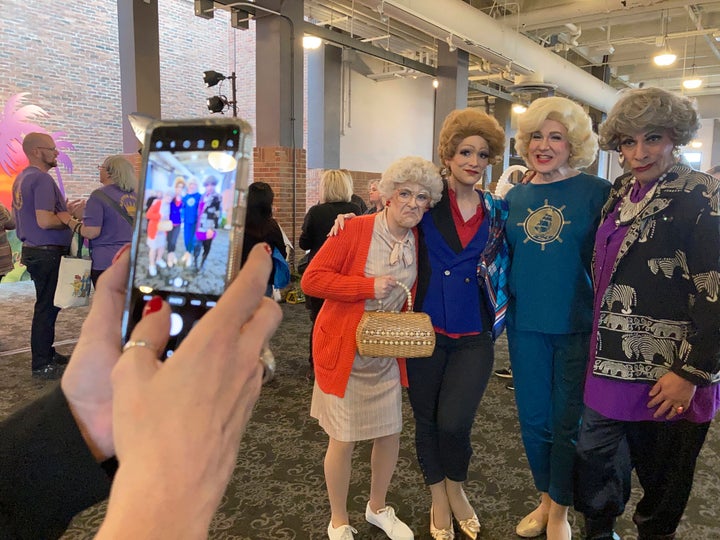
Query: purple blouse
point(625, 400)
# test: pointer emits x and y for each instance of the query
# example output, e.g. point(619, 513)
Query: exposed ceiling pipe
point(470, 24)
point(695, 18)
point(580, 12)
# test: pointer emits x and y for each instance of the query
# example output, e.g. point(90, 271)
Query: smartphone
point(190, 218)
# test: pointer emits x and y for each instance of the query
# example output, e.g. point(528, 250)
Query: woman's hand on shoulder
point(339, 224)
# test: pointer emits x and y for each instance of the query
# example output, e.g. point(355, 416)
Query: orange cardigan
point(337, 273)
point(153, 216)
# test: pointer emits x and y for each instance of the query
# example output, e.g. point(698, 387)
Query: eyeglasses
point(51, 149)
point(422, 199)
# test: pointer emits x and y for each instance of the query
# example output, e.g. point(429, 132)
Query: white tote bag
point(73, 286)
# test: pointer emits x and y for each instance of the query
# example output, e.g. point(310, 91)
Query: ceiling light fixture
point(435, 83)
point(693, 81)
point(665, 57)
point(311, 42)
point(518, 108)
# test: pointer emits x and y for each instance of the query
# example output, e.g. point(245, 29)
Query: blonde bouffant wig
point(583, 141)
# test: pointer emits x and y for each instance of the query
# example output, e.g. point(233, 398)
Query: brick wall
point(67, 59)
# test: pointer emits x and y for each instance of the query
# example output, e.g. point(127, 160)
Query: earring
point(444, 172)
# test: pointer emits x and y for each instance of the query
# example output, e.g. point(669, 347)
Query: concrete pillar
point(451, 93)
point(324, 102)
point(503, 113)
point(139, 63)
point(279, 158)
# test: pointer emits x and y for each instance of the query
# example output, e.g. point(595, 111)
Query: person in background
point(191, 202)
point(357, 199)
point(714, 171)
point(550, 229)
point(119, 414)
point(260, 226)
point(176, 215)
point(651, 388)
point(512, 175)
point(45, 225)
point(157, 239)
point(209, 212)
point(335, 194)
point(109, 213)
point(7, 223)
point(358, 398)
point(375, 199)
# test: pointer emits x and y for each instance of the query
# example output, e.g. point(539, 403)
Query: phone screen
point(189, 225)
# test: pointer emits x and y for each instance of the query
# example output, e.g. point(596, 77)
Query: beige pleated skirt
point(371, 407)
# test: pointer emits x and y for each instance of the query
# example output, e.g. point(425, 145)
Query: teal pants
point(548, 374)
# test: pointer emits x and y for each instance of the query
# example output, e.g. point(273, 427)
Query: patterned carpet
point(278, 491)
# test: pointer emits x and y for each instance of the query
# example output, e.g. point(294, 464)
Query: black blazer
point(318, 222)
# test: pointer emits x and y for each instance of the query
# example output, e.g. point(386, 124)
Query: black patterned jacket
point(660, 310)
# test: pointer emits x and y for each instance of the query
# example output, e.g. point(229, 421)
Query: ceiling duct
point(530, 84)
point(471, 25)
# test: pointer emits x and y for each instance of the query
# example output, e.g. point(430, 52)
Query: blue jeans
point(43, 265)
point(445, 391)
point(548, 373)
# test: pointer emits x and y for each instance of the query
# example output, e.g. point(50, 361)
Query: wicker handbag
point(395, 334)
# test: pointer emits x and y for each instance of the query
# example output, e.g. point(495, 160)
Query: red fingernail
point(153, 305)
point(268, 248)
point(120, 252)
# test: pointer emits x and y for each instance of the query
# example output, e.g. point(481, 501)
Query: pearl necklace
point(628, 210)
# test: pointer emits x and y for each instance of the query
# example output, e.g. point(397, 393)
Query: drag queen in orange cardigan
point(358, 398)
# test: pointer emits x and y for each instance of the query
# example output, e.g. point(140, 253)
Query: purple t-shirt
point(36, 190)
point(625, 400)
point(115, 231)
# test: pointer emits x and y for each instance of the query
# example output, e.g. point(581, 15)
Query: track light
point(211, 78)
point(665, 57)
point(311, 42)
point(217, 104)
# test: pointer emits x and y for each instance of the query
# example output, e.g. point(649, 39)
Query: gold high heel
point(440, 534)
point(470, 526)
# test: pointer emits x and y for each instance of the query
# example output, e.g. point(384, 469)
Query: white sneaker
point(152, 270)
point(161, 263)
point(343, 532)
point(388, 522)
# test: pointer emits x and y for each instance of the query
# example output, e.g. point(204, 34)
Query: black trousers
point(43, 265)
point(313, 305)
point(663, 455)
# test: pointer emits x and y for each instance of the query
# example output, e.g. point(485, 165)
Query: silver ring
point(138, 343)
point(267, 359)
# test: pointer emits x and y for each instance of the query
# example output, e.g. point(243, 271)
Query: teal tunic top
point(550, 230)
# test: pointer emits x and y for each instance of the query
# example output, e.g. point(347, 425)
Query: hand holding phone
point(187, 241)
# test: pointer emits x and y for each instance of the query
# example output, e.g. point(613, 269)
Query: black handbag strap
point(120, 210)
